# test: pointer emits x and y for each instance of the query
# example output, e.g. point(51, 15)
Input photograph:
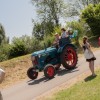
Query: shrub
point(4, 52)
point(24, 45)
point(91, 15)
point(18, 48)
point(48, 40)
point(81, 27)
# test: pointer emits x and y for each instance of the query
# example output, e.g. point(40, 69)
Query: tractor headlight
point(34, 60)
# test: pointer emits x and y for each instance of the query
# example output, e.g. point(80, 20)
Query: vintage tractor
point(50, 59)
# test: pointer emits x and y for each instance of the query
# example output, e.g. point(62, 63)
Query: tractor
point(50, 59)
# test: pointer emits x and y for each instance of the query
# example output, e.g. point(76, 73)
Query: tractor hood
point(44, 52)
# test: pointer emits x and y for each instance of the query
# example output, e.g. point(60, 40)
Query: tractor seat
point(64, 41)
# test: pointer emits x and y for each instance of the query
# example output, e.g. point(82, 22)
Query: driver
point(56, 41)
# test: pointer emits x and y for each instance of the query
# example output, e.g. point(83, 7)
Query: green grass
point(89, 89)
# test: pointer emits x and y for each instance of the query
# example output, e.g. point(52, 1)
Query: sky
point(16, 17)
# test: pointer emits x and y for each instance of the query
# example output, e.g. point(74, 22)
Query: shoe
point(94, 75)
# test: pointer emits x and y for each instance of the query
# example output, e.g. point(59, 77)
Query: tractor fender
point(49, 65)
point(61, 48)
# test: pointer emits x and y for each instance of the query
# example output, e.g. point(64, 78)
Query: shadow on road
point(33, 82)
point(60, 72)
point(65, 71)
point(89, 78)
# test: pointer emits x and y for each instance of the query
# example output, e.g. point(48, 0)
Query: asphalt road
point(29, 89)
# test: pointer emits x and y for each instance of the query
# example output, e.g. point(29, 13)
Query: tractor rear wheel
point(69, 57)
point(31, 73)
point(49, 71)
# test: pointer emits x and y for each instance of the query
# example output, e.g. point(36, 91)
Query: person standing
point(89, 54)
point(2, 74)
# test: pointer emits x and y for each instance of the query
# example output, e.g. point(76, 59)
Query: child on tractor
point(64, 33)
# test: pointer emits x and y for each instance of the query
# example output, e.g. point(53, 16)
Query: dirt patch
point(16, 70)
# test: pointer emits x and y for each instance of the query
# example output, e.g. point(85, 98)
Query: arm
point(88, 46)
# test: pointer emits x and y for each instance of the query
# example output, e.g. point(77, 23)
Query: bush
point(18, 48)
point(81, 27)
point(91, 15)
point(48, 40)
point(4, 52)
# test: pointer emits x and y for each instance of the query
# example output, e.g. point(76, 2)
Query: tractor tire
point(31, 73)
point(49, 71)
point(69, 57)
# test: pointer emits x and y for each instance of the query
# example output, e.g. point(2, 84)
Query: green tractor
point(50, 59)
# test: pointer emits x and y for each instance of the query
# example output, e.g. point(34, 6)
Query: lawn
point(89, 89)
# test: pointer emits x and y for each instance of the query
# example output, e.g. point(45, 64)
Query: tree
point(3, 38)
point(91, 15)
point(42, 28)
point(49, 12)
point(49, 9)
point(2, 34)
point(79, 5)
point(38, 32)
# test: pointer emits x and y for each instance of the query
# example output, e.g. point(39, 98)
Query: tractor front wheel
point(49, 71)
point(31, 73)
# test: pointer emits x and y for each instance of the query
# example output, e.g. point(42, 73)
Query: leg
point(1, 96)
point(91, 66)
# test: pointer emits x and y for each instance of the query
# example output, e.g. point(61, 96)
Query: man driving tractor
point(64, 34)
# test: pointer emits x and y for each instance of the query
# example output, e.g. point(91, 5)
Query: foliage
point(49, 13)
point(23, 45)
point(81, 27)
point(48, 40)
point(46, 8)
point(91, 15)
point(18, 48)
point(4, 52)
point(42, 29)
point(2, 34)
point(57, 30)
point(38, 31)
point(80, 5)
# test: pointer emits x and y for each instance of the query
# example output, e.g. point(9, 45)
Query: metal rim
point(50, 71)
point(70, 56)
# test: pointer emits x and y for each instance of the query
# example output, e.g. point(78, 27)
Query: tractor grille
point(34, 60)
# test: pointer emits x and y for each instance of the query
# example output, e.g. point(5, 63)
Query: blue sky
point(16, 17)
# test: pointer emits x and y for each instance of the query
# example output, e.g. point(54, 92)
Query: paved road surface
point(28, 90)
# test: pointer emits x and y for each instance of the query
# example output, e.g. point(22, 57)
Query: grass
point(15, 69)
point(89, 89)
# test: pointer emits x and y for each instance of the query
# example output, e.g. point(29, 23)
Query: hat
point(85, 37)
point(56, 34)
